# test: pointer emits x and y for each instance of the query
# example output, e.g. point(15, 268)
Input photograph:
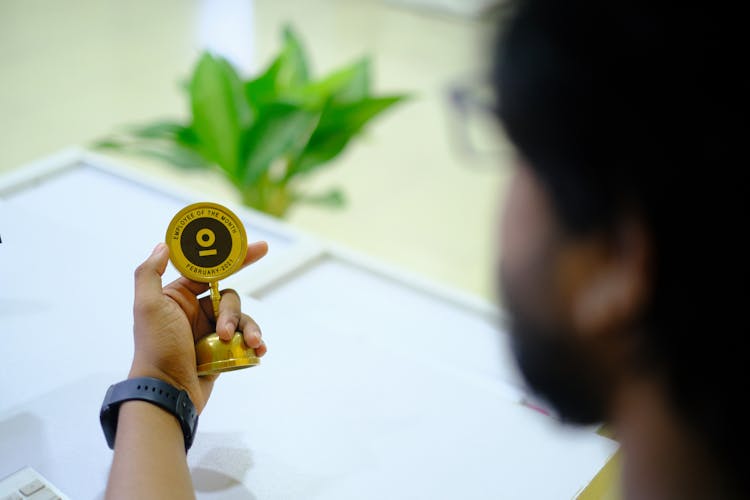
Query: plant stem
point(267, 196)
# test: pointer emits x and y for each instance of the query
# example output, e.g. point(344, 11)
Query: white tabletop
point(372, 388)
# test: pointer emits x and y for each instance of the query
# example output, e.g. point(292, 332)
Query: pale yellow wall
point(73, 71)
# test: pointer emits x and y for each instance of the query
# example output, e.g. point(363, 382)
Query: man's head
point(622, 248)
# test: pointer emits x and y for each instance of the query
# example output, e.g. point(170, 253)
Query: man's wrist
point(138, 370)
point(153, 391)
point(136, 415)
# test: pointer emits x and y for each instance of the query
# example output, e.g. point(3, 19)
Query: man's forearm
point(149, 459)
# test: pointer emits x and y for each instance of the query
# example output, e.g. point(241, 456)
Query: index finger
point(255, 252)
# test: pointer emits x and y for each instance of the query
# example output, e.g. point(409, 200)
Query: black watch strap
point(166, 396)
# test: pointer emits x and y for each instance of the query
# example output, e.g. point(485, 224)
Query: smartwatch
point(155, 391)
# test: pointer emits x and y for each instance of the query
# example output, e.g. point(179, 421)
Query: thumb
point(148, 275)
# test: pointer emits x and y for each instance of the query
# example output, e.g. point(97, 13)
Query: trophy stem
point(215, 298)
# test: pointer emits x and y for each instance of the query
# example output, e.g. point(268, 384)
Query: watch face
point(207, 242)
point(107, 418)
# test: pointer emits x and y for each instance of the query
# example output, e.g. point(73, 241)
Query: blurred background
point(73, 72)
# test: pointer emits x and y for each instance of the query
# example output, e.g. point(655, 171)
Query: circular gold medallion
point(207, 242)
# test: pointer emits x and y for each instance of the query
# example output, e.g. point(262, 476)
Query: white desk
point(377, 384)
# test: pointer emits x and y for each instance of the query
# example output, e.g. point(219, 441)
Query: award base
point(214, 355)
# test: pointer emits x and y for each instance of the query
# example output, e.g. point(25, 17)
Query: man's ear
point(612, 282)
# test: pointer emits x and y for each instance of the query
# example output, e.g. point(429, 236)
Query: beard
point(555, 366)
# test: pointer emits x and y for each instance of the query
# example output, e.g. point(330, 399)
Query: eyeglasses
point(476, 126)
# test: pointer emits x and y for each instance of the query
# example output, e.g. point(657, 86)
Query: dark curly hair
point(639, 107)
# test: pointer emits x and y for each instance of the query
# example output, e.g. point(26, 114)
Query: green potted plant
point(267, 132)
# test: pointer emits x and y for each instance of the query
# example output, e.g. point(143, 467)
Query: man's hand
point(169, 320)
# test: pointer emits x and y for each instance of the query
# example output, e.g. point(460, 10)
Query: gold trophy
point(207, 242)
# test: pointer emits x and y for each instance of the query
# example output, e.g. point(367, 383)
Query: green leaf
point(283, 77)
point(179, 157)
point(173, 154)
point(348, 84)
point(107, 144)
point(184, 85)
point(292, 71)
point(165, 131)
point(262, 90)
point(221, 114)
point(339, 123)
point(334, 199)
point(283, 129)
point(188, 138)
